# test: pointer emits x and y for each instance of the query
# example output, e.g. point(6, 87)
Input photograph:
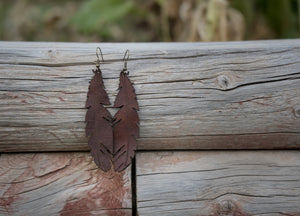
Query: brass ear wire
point(125, 60)
point(98, 60)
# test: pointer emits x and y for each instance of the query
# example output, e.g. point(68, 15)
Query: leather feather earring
point(125, 121)
point(98, 120)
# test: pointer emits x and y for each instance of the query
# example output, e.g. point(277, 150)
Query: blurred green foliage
point(280, 15)
point(96, 15)
point(110, 20)
point(143, 20)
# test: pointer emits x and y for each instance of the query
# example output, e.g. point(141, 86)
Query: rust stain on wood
point(11, 193)
point(5, 204)
point(108, 193)
point(61, 99)
point(49, 111)
point(227, 207)
point(230, 207)
point(69, 182)
point(76, 208)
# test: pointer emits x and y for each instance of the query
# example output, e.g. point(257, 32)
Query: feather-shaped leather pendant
point(126, 121)
point(98, 123)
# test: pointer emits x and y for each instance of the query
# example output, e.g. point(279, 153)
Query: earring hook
point(98, 60)
point(125, 60)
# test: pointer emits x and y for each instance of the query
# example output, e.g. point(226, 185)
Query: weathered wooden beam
point(214, 183)
point(233, 95)
point(61, 184)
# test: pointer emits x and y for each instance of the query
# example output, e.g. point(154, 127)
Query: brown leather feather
point(98, 123)
point(126, 122)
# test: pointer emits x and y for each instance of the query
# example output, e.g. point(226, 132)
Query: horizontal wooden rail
point(233, 95)
point(214, 183)
point(61, 184)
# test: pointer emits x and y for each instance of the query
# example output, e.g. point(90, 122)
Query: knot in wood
point(52, 53)
point(226, 207)
point(296, 111)
point(224, 81)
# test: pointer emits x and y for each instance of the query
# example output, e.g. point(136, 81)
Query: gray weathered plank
point(233, 95)
point(61, 184)
point(215, 183)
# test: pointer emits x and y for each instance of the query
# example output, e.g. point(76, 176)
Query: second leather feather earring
point(125, 121)
point(112, 141)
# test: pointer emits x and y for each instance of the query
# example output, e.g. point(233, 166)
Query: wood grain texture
point(215, 183)
point(233, 95)
point(61, 184)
